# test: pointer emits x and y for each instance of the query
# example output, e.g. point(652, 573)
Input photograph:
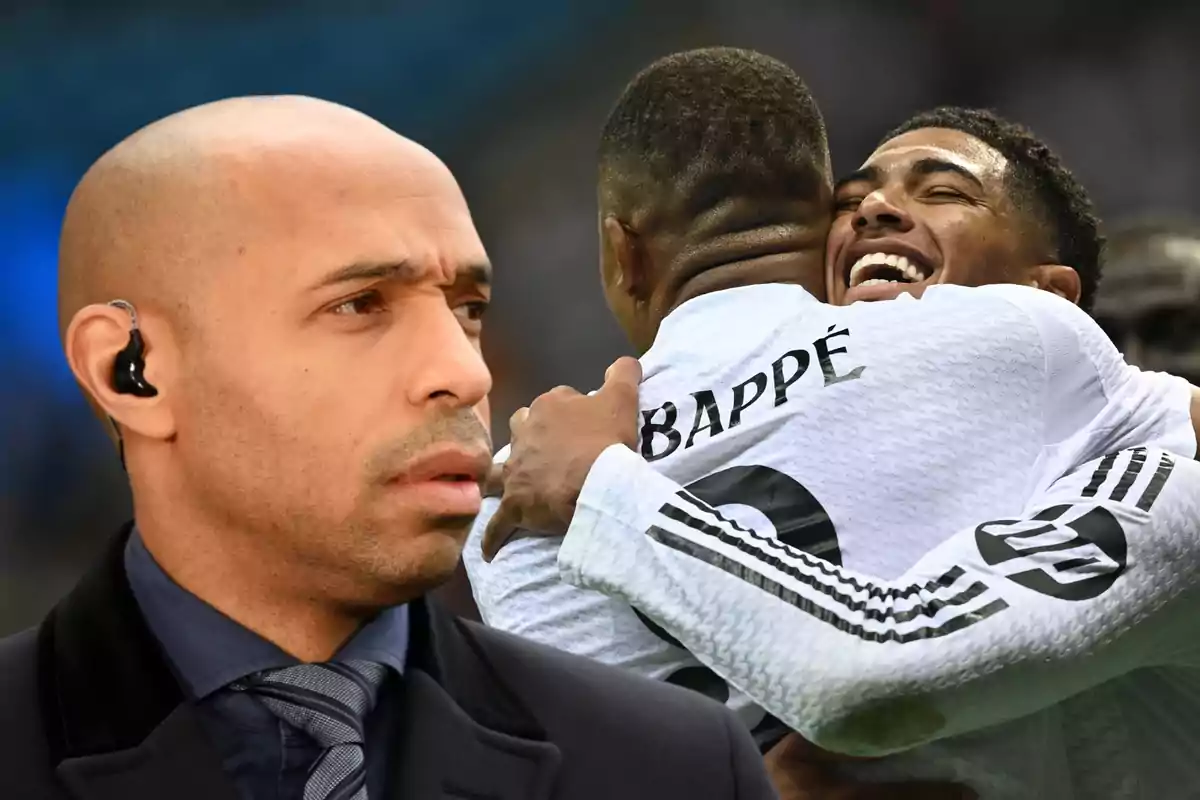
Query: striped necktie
point(329, 702)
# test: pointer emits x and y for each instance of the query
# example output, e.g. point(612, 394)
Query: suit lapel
point(175, 761)
point(446, 754)
point(463, 734)
point(115, 720)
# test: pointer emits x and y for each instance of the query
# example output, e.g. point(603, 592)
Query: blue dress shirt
point(267, 758)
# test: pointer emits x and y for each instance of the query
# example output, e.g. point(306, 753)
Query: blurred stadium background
point(512, 95)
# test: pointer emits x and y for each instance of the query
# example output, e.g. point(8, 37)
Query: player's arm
point(1008, 617)
point(521, 592)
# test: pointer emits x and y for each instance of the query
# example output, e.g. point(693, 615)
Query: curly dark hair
point(705, 125)
point(1039, 184)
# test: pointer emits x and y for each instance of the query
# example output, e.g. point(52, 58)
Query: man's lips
point(445, 481)
point(448, 463)
point(883, 291)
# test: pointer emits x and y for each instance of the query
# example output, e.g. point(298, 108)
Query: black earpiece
point(130, 364)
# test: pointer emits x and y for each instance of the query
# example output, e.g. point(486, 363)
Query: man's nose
point(879, 211)
point(450, 367)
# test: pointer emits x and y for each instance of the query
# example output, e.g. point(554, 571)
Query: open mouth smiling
point(875, 269)
point(884, 269)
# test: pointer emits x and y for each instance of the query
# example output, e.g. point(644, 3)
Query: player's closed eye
point(945, 193)
point(847, 204)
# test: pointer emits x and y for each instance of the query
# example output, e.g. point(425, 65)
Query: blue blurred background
point(512, 96)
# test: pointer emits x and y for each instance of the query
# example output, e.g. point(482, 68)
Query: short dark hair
point(1038, 183)
point(707, 124)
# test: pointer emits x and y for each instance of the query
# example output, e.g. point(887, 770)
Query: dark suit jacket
point(90, 711)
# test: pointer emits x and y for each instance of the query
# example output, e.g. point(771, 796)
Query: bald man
point(275, 304)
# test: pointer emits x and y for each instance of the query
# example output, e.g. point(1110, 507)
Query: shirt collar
point(697, 311)
point(207, 650)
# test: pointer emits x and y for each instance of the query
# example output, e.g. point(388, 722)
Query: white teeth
point(868, 260)
point(876, 282)
point(901, 264)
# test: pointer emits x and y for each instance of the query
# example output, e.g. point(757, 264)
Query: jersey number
point(1058, 553)
point(799, 520)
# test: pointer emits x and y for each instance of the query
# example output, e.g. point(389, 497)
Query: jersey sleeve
point(521, 592)
point(1095, 403)
point(1097, 578)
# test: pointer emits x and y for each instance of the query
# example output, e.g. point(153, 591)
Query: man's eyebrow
point(370, 270)
point(401, 271)
point(476, 273)
point(870, 174)
point(931, 166)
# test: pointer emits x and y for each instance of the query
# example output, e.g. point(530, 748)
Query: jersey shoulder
point(1071, 341)
point(1055, 317)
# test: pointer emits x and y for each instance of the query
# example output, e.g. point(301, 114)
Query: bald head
point(173, 203)
point(309, 286)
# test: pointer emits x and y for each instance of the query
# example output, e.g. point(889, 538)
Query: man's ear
point(626, 257)
point(1061, 280)
point(96, 335)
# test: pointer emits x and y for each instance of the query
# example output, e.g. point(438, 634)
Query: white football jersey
point(821, 455)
